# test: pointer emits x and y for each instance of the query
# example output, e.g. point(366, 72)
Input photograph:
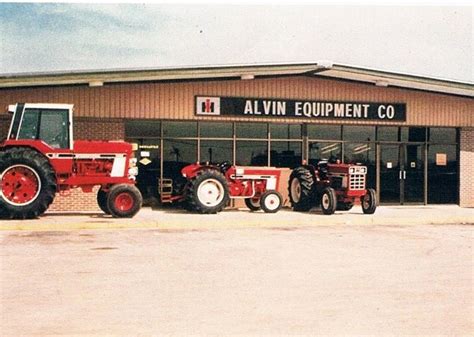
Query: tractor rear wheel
point(208, 192)
point(102, 201)
point(300, 189)
point(28, 184)
point(124, 200)
point(253, 204)
point(271, 201)
point(369, 201)
point(328, 201)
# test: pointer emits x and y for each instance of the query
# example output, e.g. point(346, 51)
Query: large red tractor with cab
point(39, 159)
point(209, 187)
point(334, 186)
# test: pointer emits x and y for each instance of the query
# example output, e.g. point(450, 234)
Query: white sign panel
point(208, 106)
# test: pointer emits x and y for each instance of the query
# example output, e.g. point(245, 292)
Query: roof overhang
point(243, 72)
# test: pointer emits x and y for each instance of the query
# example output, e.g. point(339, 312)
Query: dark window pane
point(359, 133)
point(180, 151)
point(216, 151)
point(148, 156)
point(411, 134)
point(442, 135)
point(251, 130)
point(29, 125)
point(251, 153)
point(179, 129)
point(54, 128)
point(285, 131)
point(324, 151)
point(216, 130)
point(332, 132)
point(142, 128)
point(362, 153)
point(285, 154)
point(387, 133)
point(442, 174)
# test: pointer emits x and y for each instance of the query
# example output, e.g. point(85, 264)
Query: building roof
point(318, 69)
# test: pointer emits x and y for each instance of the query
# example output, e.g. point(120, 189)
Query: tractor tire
point(344, 206)
point(328, 201)
point(124, 201)
point(369, 201)
point(102, 201)
point(271, 201)
point(208, 192)
point(301, 189)
point(28, 184)
point(252, 204)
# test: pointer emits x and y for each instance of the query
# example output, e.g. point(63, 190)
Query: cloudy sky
point(429, 40)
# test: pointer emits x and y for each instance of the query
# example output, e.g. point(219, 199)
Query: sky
point(435, 41)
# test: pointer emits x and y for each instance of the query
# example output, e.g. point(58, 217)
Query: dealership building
point(415, 134)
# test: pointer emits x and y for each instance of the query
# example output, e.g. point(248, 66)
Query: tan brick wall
point(466, 158)
point(88, 129)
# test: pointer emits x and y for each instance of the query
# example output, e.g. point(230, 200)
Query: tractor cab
point(51, 123)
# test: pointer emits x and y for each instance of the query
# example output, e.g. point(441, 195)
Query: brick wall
point(4, 125)
point(88, 129)
point(466, 159)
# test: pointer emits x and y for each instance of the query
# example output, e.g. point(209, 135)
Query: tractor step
point(165, 186)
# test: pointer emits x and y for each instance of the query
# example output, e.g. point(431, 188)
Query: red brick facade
point(466, 161)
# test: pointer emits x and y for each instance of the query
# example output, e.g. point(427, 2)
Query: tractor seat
point(224, 166)
point(322, 168)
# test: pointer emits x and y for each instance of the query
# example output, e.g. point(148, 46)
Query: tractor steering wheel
point(224, 166)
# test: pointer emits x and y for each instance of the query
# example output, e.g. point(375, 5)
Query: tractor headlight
point(132, 168)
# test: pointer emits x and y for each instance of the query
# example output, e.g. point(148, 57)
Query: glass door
point(413, 174)
point(390, 189)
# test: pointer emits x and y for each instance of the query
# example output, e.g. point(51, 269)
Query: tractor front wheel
point(369, 201)
point(253, 204)
point(271, 201)
point(300, 189)
point(28, 184)
point(328, 201)
point(208, 192)
point(124, 201)
point(102, 201)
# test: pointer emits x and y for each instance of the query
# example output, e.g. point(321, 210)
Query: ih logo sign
point(208, 106)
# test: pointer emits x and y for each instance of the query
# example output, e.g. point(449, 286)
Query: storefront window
point(442, 135)
point(285, 154)
point(216, 130)
point(216, 151)
point(179, 129)
point(442, 174)
point(142, 128)
point(387, 133)
point(413, 134)
point(180, 151)
point(251, 130)
point(359, 133)
point(285, 131)
point(251, 153)
point(331, 151)
point(331, 132)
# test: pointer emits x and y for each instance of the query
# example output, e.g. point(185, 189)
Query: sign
point(441, 159)
point(303, 109)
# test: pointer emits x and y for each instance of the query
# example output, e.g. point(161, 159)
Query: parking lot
point(304, 277)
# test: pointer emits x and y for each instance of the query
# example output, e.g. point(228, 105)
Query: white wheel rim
point(325, 201)
point(210, 192)
point(295, 190)
point(272, 202)
point(36, 194)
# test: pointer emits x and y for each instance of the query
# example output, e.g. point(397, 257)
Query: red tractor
point(39, 159)
point(333, 186)
point(208, 188)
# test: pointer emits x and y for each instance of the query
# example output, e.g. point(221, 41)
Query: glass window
point(359, 133)
point(285, 131)
point(251, 130)
point(285, 154)
point(413, 134)
point(362, 153)
point(54, 128)
point(251, 153)
point(324, 151)
point(216, 130)
point(148, 156)
point(216, 151)
point(442, 174)
point(179, 129)
point(442, 135)
point(387, 133)
point(142, 128)
point(180, 151)
point(29, 125)
point(332, 132)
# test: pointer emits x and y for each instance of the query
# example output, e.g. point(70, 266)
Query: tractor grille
point(357, 182)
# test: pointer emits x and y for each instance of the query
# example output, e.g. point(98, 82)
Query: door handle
point(400, 174)
point(404, 175)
